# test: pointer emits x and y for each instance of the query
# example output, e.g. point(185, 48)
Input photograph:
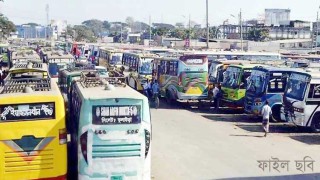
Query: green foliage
point(258, 34)
point(84, 33)
point(96, 26)
point(6, 26)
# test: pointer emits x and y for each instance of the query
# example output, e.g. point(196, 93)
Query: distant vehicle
point(113, 57)
point(110, 130)
point(57, 61)
point(302, 100)
point(102, 71)
point(241, 55)
point(183, 78)
point(234, 85)
point(33, 131)
point(266, 84)
point(140, 67)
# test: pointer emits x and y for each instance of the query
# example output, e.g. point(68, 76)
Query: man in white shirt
point(266, 112)
point(216, 93)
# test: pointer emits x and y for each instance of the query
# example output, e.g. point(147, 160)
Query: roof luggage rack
point(92, 79)
point(20, 85)
point(28, 65)
point(80, 66)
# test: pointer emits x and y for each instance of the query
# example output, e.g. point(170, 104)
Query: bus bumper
point(234, 104)
point(193, 97)
point(63, 177)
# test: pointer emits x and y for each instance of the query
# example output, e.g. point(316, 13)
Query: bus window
point(314, 92)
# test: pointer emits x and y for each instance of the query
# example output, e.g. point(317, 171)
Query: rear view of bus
point(33, 134)
point(193, 77)
point(112, 131)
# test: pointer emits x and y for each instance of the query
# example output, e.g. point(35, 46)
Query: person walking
point(266, 112)
point(1, 77)
point(216, 97)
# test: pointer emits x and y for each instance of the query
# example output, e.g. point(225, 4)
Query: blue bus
point(266, 84)
point(110, 130)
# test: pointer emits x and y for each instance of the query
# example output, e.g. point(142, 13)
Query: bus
point(57, 61)
point(110, 130)
point(140, 67)
point(33, 133)
point(241, 55)
point(216, 70)
point(301, 101)
point(23, 56)
point(183, 78)
point(71, 73)
point(234, 85)
point(112, 57)
point(4, 54)
point(266, 84)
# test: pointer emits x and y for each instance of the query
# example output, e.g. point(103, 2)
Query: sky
point(160, 11)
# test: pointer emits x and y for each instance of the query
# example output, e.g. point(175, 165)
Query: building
point(31, 32)
point(273, 17)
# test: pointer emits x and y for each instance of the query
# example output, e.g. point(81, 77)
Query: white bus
point(240, 55)
point(301, 101)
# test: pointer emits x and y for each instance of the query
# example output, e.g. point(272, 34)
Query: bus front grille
point(22, 161)
point(116, 150)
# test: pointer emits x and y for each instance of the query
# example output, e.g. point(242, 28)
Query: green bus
point(234, 85)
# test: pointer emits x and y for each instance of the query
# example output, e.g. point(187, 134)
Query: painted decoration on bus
point(25, 112)
point(300, 77)
point(112, 115)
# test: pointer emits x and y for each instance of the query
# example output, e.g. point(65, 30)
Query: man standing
point(216, 95)
point(266, 112)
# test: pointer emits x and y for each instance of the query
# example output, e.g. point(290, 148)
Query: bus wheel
point(168, 97)
point(315, 125)
point(276, 116)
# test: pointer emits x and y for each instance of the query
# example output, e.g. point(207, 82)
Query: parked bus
point(33, 133)
point(302, 100)
point(234, 85)
point(216, 70)
point(241, 55)
point(140, 67)
point(57, 61)
point(112, 57)
point(266, 84)
point(183, 78)
point(72, 72)
point(28, 70)
point(111, 130)
point(24, 56)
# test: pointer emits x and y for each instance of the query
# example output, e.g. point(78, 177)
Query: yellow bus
point(33, 132)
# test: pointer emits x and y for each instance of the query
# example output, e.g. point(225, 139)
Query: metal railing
point(19, 85)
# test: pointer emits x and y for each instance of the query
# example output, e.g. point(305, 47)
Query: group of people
point(151, 87)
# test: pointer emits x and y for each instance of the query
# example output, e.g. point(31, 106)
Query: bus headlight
point(300, 110)
point(147, 141)
point(83, 143)
point(62, 136)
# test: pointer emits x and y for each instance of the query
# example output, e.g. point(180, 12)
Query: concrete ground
point(192, 143)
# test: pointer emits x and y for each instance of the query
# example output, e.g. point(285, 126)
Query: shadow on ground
point(286, 177)
point(307, 139)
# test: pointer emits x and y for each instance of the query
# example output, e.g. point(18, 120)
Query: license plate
point(116, 178)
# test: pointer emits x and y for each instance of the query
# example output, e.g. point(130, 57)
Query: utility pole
point(149, 30)
point(241, 36)
point(120, 33)
point(207, 10)
point(46, 27)
point(189, 27)
point(317, 31)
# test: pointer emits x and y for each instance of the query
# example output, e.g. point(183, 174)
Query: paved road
point(196, 144)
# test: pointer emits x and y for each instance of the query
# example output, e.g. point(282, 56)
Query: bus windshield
point(116, 60)
point(214, 71)
point(257, 82)
point(145, 66)
point(297, 86)
point(231, 77)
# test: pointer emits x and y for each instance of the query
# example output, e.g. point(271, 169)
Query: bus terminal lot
point(192, 143)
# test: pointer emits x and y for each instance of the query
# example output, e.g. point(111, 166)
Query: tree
point(160, 31)
point(96, 26)
point(32, 24)
point(6, 26)
point(179, 25)
point(84, 33)
point(258, 34)
point(106, 25)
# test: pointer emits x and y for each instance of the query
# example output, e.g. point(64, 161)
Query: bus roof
point(59, 55)
point(99, 91)
point(29, 86)
point(244, 66)
point(236, 53)
point(277, 69)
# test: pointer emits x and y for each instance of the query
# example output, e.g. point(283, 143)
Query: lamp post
point(207, 10)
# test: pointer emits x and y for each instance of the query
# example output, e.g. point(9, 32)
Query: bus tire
point(168, 97)
point(315, 124)
point(276, 116)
